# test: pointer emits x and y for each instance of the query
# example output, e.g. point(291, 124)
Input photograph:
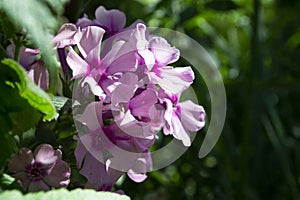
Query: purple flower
point(100, 74)
point(65, 36)
point(136, 109)
point(98, 175)
point(156, 53)
point(39, 74)
point(27, 58)
point(182, 117)
point(36, 69)
point(112, 21)
point(138, 91)
point(41, 170)
point(106, 152)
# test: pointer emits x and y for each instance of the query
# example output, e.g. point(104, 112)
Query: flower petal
point(89, 43)
point(84, 22)
point(174, 126)
point(138, 172)
point(136, 176)
point(163, 52)
point(142, 45)
point(175, 80)
point(77, 64)
point(92, 116)
point(65, 36)
point(26, 58)
point(19, 162)
point(94, 86)
point(129, 125)
point(113, 20)
point(59, 175)
point(39, 74)
point(168, 129)
point(192, 116)
point(180, 132)
point(46, 155)
point(141, 104)
point(35, 186)
point(125, 90)
point(97, 173)
point(23, 178)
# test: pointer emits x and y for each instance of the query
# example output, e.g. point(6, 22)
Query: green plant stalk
point(17, 50)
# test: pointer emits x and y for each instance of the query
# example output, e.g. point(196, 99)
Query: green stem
point(17, 50)
point(3, 52)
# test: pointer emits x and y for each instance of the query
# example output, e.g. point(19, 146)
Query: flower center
point(35, 172)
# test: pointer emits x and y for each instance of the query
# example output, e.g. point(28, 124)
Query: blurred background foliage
point(256, 44)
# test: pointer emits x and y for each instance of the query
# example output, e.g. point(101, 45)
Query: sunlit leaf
point(63, 194)
point(35, 96)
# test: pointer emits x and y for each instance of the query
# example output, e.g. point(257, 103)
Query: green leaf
point(8, 182)
point(27, 137)
point(77, 194)
point(59, 102)
point(7, 147)
point(35, 96)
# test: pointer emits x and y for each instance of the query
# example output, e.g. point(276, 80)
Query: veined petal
point(140, 105)
point(89, 42)
point(39, 74)
point(65, 36)
point(192, 116)
point(168, 129)
point(46, 155)
point(142, 45)
point(174, 80)
point(156, 114)
point(163, 52)
point(174, 126)
point(113, 53)
point(180, 132)
point(124, 62)
point(94, 86)
point(77, 64)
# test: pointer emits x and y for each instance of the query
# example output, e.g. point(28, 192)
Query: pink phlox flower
point(156, 53)
point(136, 108)
point(181, 117)
point(41, 170)
point(39, 74)
point(36, 68)
point(109, 146)
point(113, 21)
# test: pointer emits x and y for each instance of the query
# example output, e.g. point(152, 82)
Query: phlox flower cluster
point(136, 94)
